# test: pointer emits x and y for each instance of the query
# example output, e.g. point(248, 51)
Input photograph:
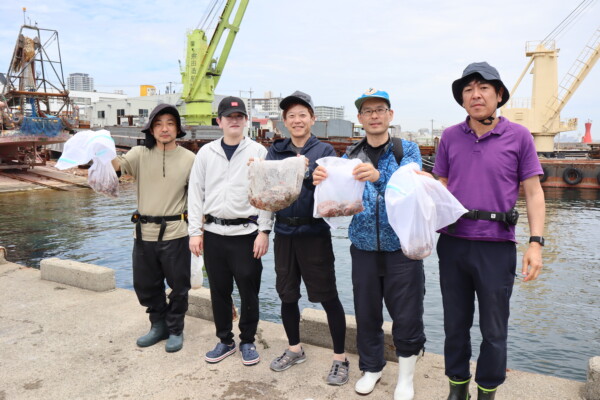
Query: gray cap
point(295, 98)
point(485, 71)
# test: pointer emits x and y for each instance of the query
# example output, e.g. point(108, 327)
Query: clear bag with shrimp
point(275, 184)
point(340, 195)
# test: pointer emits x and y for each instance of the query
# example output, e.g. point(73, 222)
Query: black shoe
point(174, 343)
point(486, 394)
point(158, 332)
point(459, 389)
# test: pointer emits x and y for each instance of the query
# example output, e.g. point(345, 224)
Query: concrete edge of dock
point(314, 327)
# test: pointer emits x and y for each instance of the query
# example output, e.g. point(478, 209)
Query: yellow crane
point(541, 113)
point(205, 62)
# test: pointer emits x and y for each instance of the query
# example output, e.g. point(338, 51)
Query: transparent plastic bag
point(275, 184)
point(417, 206)
point(196, 276)
point(103, 179)
point(96, 146)
point(340, 195)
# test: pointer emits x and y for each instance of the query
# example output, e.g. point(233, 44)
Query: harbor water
point(554, 323)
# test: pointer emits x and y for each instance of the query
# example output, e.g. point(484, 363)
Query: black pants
point(485, 269)
point(400, 282)
point(153, 262)
point(229, 258)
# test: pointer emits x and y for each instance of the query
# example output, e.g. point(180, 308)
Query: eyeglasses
point(378, 111)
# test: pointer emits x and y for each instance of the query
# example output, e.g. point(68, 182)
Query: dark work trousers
point(379, 276)
point(229, 258)
point(153, 262)
point(485, 269)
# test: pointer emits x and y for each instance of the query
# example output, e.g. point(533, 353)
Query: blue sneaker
point(249, 354)
point(220, 352)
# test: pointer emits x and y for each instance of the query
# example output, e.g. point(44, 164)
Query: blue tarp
point(41, 126)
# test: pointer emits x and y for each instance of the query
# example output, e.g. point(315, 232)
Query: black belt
point(253, 219)
point(508, 218)
point(139, 219)
point(297, 221)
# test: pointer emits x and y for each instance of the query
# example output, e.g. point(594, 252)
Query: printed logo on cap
point(234, 104)
point(371, 91)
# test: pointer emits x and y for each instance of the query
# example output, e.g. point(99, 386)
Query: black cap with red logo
point(230, 105)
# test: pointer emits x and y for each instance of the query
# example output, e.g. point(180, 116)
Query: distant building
point(80, 82)
point(324, 113)
point(147, 90)
point(128, 110)
point(267, 105)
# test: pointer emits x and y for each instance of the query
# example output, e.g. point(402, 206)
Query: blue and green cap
point(372, 94)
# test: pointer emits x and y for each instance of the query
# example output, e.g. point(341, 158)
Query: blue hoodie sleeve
point(412, 153)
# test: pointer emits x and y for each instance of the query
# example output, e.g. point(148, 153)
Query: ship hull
point(571, 173)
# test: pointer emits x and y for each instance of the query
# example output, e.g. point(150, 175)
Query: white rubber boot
point(406, 372)
point(366, 384)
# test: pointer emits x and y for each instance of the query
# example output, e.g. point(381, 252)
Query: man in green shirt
point(161, 170)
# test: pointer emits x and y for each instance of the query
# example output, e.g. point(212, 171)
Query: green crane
point(204, 66)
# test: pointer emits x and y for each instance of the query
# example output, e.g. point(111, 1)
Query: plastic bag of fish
point(275, 184)
point(98, 147)
point(417, 206)
point(340, 195)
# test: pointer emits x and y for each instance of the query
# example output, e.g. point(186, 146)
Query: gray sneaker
point(287, 359)
point(339, 373)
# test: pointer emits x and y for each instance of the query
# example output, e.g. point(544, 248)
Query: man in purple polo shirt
point(483, 161)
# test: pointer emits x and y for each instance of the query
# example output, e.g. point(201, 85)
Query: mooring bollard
point(592, 386)
point(3, 255)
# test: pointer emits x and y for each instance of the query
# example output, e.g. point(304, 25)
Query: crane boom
point(204, 65)
point(580, 69)
point(542, 114)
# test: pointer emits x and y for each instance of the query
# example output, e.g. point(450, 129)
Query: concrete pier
point(63, 342)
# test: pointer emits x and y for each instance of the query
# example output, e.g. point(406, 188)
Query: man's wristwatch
point(537, 239)
point(266, 231)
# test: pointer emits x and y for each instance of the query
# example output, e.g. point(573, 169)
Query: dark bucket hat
point(485, 71)
point(295, 98)
point(160, 110)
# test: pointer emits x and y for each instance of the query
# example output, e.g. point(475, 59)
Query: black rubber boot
point(485, 394)
point(158, 332)
point(459, 389)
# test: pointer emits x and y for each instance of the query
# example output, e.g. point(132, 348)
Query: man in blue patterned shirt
point(380, 271)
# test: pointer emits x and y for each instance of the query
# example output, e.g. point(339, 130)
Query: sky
point(334, 50)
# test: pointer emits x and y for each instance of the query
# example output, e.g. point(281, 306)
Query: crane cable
point(568, 21)
point(216, 16)
point(207, 14)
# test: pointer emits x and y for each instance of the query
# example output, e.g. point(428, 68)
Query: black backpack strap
point(397, 149)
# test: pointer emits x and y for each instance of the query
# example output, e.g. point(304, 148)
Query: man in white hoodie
point(231, 233)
